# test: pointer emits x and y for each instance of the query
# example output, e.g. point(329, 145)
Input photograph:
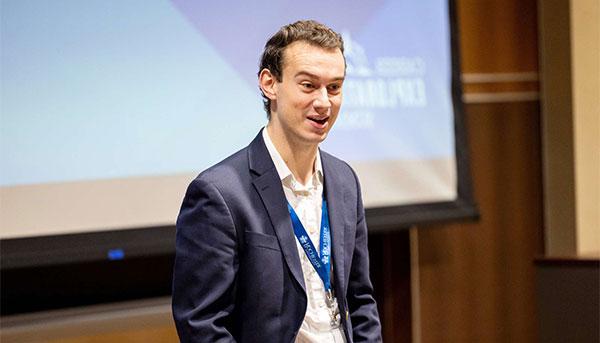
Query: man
point(256, 260)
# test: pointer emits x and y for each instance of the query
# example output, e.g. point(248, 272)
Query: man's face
point(309, 96)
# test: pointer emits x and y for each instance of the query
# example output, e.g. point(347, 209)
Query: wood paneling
point(498, 36)
point(477, 279)
point(557, 127)
point(495, 87)
point(160, 334)
point(147, 320)
point(390, 273)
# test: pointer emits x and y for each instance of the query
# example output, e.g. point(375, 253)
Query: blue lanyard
point(322, 261)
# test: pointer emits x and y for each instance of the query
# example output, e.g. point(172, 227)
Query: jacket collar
point(337, 203)
point(268, 185)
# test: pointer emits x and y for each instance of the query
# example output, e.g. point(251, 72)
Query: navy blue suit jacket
point(237, 274)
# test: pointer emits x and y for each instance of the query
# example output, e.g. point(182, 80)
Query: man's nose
point(322, 99)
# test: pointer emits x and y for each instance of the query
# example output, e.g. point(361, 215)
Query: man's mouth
point(320, 121)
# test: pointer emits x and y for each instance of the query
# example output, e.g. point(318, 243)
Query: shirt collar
point(285, 175)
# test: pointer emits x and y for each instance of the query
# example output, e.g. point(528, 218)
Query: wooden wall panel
point(390, 274)
point(160, 334)
point(477, 279)
point(498, 36)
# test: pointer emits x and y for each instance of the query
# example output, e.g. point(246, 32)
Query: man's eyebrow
point(313, 76)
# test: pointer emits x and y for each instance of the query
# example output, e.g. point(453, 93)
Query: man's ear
point(268, 84)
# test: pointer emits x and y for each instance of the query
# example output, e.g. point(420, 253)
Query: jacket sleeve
point(206, 264)
point(364, 317)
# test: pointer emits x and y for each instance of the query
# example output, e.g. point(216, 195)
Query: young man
point(272, 241)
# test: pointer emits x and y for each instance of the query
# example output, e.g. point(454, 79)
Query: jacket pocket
point(261, 240)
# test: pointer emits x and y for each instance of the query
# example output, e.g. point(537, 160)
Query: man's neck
point(299, 158)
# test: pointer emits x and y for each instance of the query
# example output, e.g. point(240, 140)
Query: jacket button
point(347, 313)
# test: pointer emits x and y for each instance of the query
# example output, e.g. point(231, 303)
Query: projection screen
point(110, 108)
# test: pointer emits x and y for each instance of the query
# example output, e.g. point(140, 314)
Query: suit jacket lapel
point(268, 186)
point(336, 202)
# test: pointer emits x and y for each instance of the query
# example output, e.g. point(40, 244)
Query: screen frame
point(148, 242)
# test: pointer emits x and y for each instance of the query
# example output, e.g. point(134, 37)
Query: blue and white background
point(106, 89)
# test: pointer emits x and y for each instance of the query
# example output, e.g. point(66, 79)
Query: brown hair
point(309, 31)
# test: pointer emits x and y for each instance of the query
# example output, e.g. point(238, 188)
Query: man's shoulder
point(232, 168)
point(335, 161)
point(341, 167)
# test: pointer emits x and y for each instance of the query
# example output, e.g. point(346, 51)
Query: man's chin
point(316, 138)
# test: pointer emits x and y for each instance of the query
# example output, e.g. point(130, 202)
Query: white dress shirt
point(307, 200)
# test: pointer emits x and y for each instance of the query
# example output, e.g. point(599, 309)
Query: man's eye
point(334, 88)
point(308, 85)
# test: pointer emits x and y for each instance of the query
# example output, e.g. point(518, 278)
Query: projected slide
point(109, 108)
